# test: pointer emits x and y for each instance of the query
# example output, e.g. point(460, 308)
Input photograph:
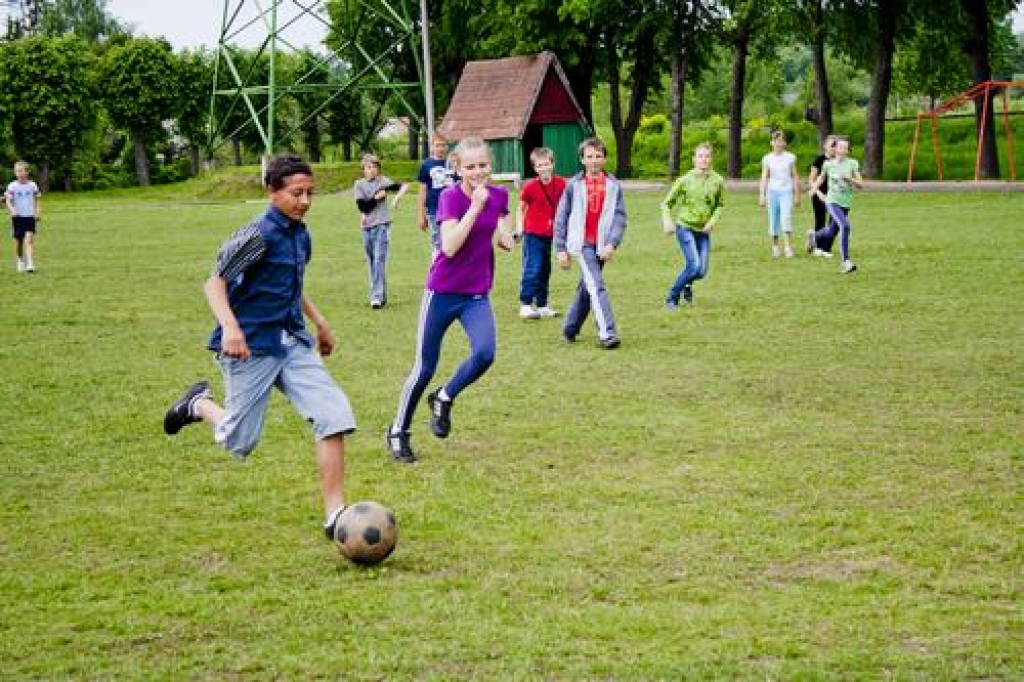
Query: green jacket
point(695, 199)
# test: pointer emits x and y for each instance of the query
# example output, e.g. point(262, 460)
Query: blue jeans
point(696, 248)
point(437, 313)
point(533, 288)
point(375, 244)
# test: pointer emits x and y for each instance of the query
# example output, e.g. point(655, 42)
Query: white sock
point(333, 516)
point(443, 395)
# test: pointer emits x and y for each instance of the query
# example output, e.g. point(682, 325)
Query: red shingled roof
point(497, 98)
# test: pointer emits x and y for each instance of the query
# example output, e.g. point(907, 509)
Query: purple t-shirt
point(471, 270)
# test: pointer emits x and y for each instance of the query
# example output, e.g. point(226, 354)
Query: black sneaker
point(610, 343)
point(399, 447)
point(440, 415)
point(182, 413)
point(688, 293)
point(331, 527)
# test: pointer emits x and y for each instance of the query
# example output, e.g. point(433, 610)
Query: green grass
point(806, 476)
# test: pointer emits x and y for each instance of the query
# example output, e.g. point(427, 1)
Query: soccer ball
point(366, 533)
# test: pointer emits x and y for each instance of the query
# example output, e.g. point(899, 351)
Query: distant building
point(517, 104)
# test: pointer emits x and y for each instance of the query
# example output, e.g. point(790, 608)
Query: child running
point(780, 191)
point(261, 342)
point(816, 244)
point(843, 175)
point(691, 210)
point(589, 224)
point(471, 216)
point(535, 218)
point(371, 199)
point(22, 199)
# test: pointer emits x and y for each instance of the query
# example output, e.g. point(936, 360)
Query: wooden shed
point(517, 104)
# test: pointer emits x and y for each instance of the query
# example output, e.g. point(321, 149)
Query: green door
point(564, 140)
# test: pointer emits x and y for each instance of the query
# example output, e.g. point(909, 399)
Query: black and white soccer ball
point(366, 533)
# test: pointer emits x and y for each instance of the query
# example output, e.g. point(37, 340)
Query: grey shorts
point(300, 375)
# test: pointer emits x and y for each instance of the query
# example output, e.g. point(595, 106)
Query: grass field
point(806, 476)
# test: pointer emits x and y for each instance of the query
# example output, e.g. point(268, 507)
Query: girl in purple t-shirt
point(472, 215)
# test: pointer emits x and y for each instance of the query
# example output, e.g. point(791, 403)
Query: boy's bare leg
point(27, 248)
point(330, 457)
point(209, 411)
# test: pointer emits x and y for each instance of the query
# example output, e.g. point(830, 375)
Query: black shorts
point(22, 224)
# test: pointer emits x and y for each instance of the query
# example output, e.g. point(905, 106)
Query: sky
point(194, 23)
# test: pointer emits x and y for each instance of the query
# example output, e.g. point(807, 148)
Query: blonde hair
point(470, 143)
point(369, 160)
point(22, 165)
point(541, 153)
point(704, 145)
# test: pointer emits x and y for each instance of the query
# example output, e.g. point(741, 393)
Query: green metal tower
point(363, 45)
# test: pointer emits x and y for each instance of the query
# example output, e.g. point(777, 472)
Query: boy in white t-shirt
point(780, 191)
point(22, 199)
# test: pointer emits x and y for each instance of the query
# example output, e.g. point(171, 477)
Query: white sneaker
point(821, 253)
point(849, 266)
point(528, 312)
point(547, 312)
point(775, 251)
point(30, 266)
point(20, 264)
point(789, 251)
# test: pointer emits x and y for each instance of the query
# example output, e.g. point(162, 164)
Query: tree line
point(79, 94)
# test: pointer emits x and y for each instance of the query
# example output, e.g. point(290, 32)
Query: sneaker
point(567, 337)
point(610, 343)
point(376, 305)
point(821, 253)
point(331, 527)
point(30, 267)
point(788, 251)
point(399, 446)
point(182, 413)
point(688, 293)
point(20, 265)
point(440, 415)
point(671, 305)
point(812, 241)
point(545, 311)
point(528, 312)
point(848, 267)
point(775, 251)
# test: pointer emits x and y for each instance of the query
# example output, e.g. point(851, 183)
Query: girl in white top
point(780, 191)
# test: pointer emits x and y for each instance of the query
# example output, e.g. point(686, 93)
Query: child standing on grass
point(535, 218)
point(375, 218)
point(471, 215)
point(780, 191)
point(261, 342)
point(589, 224)
point(434, 176)
point(22, 199)
point(817, 244)
point(843, 175)
point(691, 210)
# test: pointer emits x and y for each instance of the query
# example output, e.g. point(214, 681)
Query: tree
point(195, 72)
point(87, 19)
point(746, 20)
point(50, 100)
point(689, 46)
point(140, 85)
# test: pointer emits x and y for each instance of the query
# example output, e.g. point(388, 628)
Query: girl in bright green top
point(691, 209)
point(843, 174)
